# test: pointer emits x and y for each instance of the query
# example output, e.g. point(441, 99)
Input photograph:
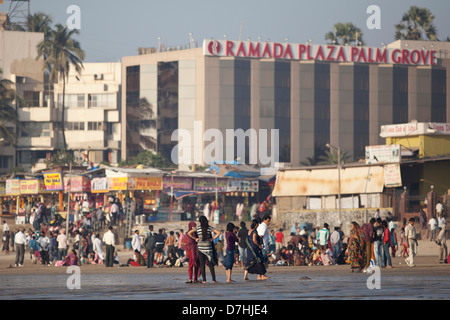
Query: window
point(74, 126)
point(72, 100)
point(35, 129)
point(93, 126)
point(31, 98)
point(5, 162)
point(102, 100)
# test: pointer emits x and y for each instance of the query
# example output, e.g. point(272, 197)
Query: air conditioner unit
point(98, 76)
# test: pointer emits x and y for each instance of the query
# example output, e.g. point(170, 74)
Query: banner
point(77, 184)
point(392, 175)
point(53, 181)
point(12, 187)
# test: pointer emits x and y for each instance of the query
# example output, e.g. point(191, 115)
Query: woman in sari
point(192, 254)
point(255, 264)
point(356, 247)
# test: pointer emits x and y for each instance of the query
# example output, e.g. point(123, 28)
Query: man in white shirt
point(335, 240)
point(439, 209)
point(263, 232)
point(5, 226)
point(410, 234)
point(63, 243)
point(114, 212)
point(136, 241)
point(98, 246)
point(110, 242)
point(432, 223)
point(19, 241)
point(43, 243)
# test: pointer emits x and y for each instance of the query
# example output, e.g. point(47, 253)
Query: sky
point(111, 29)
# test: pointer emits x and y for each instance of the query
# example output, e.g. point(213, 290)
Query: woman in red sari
point(192, 254)
point(356, 247)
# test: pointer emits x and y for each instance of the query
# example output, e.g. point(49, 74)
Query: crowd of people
point(252, 247)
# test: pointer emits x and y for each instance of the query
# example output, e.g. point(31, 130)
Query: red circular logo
point(214, 47)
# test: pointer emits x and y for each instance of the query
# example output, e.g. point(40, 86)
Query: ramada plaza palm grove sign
point(289, 51)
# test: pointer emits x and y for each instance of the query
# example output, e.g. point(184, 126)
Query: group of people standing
point(376, 239)
point(200, 249)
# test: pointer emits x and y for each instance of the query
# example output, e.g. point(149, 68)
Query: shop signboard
point(145, 183)
point(99, 185)
point(383, 154)
point(77, 184)
point(53, 181)
point(117, 183)
point(392, 175)
point(178, 183)
point(35, 186)
point(241, 185)
point(12, 187)
point(209, 184)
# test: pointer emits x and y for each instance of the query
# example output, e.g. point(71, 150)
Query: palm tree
point(416, 24)
point(8, 114)
point(331, 157)
point(60, 52)
point(40, 22)
point(345, 34)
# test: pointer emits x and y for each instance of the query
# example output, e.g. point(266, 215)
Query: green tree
point(345, 34)
point(416, 24)
point(60, 51)
point(40, 22)
point(331, 157)
point(61, 158)
point(149, 159)
point(8, 113)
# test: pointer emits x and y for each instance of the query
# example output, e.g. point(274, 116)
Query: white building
point(92, 117)
point(18, 51)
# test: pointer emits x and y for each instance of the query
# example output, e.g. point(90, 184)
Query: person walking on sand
point(410, 234)
point(231, 239)
point(255, 259)
point(263, 232)
point(356, 248)
point(20, 241)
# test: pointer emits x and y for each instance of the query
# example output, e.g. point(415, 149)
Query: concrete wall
point(318, 218)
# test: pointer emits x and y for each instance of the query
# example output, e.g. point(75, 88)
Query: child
point(394, 244)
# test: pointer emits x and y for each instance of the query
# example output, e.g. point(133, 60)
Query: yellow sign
point(147, 183)
point(32, 186)
point(119, 183)
point(53, 181)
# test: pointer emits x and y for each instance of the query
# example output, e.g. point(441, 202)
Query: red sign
point(269, 50)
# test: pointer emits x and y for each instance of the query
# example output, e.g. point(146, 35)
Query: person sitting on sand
point(138, 261)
